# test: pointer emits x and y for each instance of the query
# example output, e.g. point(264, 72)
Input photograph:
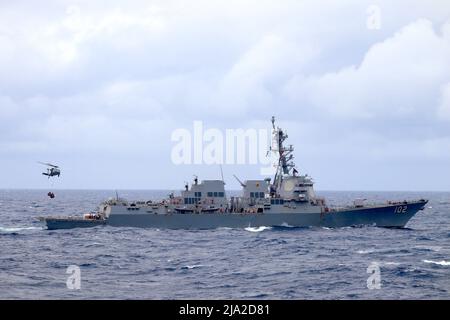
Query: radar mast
point(285, 165)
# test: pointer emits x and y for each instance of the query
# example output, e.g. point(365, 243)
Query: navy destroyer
point(287, 200)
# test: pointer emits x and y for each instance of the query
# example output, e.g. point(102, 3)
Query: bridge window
point(215, 194)
point(221, 194)
point(252, 194)
point(261, 194)
point(210, 194)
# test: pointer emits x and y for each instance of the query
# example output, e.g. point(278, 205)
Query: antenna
point(117, 196)
point(221, 174)
point(240, 182)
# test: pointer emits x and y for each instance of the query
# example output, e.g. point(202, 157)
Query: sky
point(99, 87)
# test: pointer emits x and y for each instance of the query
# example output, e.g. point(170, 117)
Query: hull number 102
point(401, 209)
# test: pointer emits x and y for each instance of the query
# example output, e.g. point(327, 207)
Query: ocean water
point(250, 263)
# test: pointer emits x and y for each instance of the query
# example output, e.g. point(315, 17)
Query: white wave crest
point(257, 229)
point(441, 263)
point(365, 251)
point(286, 225)
point(18, 229)
point(194, 266)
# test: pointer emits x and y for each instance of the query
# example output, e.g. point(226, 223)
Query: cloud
point(112, 81)
point(398, 78)
point(254, 79)
point(444, 105)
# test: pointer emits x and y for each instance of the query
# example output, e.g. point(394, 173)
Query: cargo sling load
point(289, 200)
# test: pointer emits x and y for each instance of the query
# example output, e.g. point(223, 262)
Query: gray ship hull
point(65, 223)
point(380, 216)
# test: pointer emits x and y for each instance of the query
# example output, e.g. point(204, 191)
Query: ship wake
point(18, 229)
point(257, 229)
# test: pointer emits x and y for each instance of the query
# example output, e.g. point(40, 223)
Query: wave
point(224, 228)
point(18, 229)
point(428, 248)
point(441, 263)
point(194, 266)
point(365, 251)
point(94, 244)
point(391, 263)
point(286, 225)
point(256, 295)
point(257, 229)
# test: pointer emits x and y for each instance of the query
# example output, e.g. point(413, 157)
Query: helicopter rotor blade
point(48, 164)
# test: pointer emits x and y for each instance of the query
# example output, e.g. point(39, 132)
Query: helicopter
point(52, 170)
